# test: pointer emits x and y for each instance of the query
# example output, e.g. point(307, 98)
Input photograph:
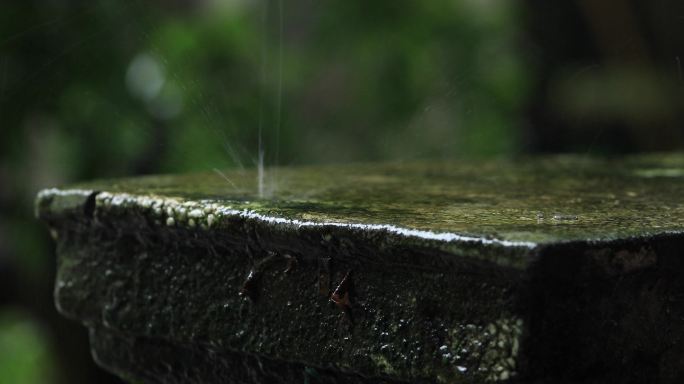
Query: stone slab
point(563, 268)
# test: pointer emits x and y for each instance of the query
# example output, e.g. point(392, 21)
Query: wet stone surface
point(560, 268)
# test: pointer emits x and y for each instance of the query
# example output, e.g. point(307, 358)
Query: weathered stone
point(555, 268)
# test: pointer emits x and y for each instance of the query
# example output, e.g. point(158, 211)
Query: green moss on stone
point(463, 272)
point(545, 200)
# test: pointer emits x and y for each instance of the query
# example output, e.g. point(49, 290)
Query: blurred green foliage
point(341, 82)
point(24, 355)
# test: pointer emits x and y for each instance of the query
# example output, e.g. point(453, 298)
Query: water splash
point(262, 82)
point(224, 177)
point(260, 171)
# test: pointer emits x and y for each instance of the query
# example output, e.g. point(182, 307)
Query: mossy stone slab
point(564, 268)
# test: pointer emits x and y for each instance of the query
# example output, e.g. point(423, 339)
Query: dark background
point(93, 89)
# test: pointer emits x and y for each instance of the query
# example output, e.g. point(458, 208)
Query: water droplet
point(561, 217)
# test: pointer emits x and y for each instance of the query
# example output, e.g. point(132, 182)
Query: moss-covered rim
point(521, 203)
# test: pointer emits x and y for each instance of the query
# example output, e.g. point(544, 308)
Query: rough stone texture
point(547, 269)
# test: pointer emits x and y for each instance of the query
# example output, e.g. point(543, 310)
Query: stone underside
point(198, 287)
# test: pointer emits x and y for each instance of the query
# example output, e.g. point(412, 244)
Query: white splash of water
point(260, 172)
point(224, 177)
